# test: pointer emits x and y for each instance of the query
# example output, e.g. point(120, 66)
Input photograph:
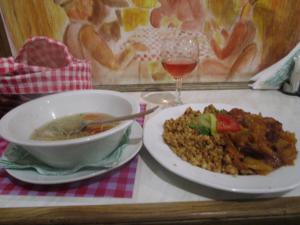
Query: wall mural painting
point(237, 38)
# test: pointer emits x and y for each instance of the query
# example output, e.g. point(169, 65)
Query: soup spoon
point(85, 124)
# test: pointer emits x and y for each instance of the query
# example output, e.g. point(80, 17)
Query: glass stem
point(178, 90)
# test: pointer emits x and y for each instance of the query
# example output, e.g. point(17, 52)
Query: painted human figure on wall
point(187, 15)
point(236, 48)
point(88, 35)
point(235, 56)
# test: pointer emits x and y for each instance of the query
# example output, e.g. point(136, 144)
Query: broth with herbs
point(68, 127)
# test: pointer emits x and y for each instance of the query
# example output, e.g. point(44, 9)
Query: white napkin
point(274, 76)
point(292, 85)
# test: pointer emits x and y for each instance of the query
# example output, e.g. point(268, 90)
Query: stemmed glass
point(179, 57)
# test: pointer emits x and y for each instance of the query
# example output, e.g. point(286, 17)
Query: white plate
point(280, 180)
point(133, 147)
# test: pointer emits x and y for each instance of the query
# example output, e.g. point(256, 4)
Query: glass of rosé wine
point(179, 57)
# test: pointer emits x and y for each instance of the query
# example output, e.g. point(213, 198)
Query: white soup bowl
point(19, 123)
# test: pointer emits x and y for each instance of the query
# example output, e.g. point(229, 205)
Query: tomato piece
point(226, 123)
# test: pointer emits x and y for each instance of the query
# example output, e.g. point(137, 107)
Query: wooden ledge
point(265, 211)
point(171, 86)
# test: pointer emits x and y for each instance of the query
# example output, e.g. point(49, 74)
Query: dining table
point(157, 195)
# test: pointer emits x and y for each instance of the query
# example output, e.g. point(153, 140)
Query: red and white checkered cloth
point(43, 65)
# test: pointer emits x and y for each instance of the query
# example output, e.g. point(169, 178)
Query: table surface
point(154, 184)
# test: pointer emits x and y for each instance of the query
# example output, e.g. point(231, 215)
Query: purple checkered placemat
point(117, 183)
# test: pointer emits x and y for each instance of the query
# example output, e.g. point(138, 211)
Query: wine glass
point(179, 57)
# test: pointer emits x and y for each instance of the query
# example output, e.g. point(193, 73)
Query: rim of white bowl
point(122, 125)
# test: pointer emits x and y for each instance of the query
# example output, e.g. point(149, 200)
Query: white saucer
point(132, 148)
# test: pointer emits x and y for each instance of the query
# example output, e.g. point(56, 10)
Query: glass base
point(159, 98)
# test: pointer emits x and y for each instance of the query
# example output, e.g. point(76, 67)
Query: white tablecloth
point(156, 184)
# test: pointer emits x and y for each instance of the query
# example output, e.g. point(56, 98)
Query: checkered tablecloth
point(151, 38)
point(118, 183)
point(43, 65)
